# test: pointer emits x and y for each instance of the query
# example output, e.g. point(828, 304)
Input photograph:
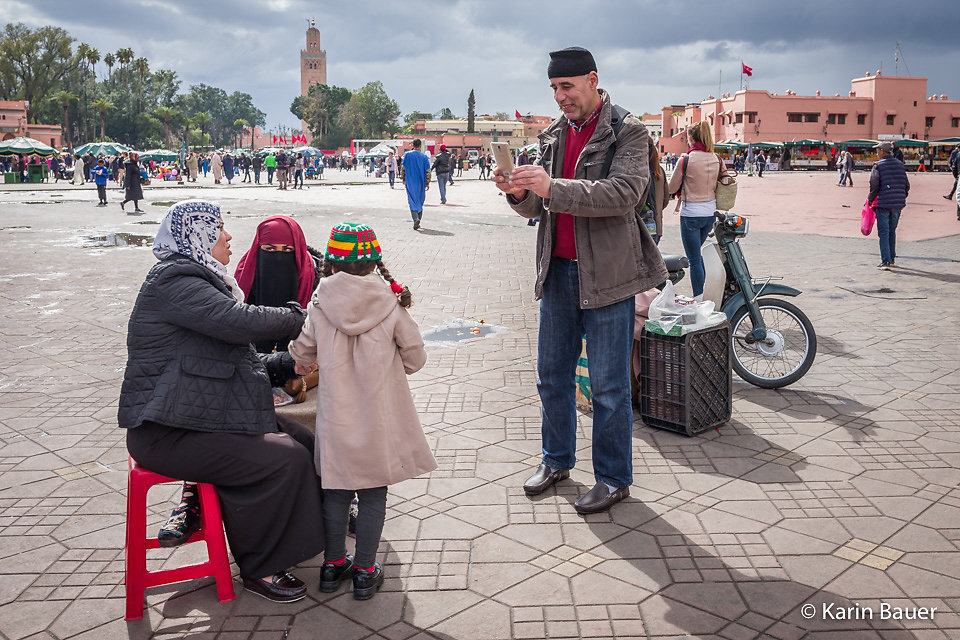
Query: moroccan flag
point(747, 70)
point(519, 117)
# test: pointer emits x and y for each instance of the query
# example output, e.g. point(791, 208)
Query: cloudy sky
point(431, 54)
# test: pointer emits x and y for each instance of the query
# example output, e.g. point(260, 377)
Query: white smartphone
point(501, 153)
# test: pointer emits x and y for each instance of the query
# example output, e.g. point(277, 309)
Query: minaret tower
point(313, 65)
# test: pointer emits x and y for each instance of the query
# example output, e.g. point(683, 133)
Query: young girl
point(359, 333)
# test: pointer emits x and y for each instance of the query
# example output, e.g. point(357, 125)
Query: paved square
point(837, 493)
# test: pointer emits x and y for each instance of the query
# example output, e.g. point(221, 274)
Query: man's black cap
point(570, 62)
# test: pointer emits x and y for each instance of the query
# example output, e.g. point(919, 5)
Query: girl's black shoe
point(182, 523)
point(366, 583)
point(331, 575)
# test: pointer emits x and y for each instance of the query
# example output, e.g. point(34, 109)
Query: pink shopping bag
point(867, 217)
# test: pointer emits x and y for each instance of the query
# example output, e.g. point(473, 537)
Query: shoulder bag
point(726, 192)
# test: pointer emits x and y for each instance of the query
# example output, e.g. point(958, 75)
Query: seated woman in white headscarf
point(197, 403)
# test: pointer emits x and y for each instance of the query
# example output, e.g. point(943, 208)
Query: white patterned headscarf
point(192, 228)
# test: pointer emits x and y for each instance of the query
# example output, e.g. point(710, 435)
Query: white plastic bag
point(668, 311)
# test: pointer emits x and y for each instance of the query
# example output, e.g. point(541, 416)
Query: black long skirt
point(269, 490)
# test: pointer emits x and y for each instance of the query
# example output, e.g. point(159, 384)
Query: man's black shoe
point(543, 479)
point(282, 587)
point(331, 575)
point(600, 498)
point(948, 197)
point(366, 583)
point(416, 224)
point(182, 523)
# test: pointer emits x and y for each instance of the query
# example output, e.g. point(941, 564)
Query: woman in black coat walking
point(197, 405)
point(131, 183)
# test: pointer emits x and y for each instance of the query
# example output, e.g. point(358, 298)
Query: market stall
point(940, 150)
point(810, 154)
point(863, 151)
point(912, 151)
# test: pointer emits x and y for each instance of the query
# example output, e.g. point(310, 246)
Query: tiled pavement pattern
point(841, 489)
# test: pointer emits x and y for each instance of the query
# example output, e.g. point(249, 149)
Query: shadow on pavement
point(839, 410)
point(932, 275)
point(686, 590)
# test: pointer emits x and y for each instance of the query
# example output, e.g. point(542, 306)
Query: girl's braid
point(326, 268)
point(405, 297)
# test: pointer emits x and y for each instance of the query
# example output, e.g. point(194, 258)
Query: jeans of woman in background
point(693, 233)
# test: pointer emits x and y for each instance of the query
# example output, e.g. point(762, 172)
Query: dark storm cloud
point(431, 54)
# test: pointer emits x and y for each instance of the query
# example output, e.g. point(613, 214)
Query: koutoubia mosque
point(313, 66)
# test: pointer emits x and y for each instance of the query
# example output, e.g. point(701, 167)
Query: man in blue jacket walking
point(889, 186)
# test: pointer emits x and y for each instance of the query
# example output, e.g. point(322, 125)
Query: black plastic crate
point(686, 384)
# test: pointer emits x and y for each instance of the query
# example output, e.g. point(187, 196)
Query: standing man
point(441, 165)
point(890, 186)
point(416, 179)
point(193, 166)
point(283, 169)
point(593, 256)
point(257, 164)
point(391, 165)
point(955, 169)
point(482, 163)
point(246, 164)
point(270, 162)
point(761, 163)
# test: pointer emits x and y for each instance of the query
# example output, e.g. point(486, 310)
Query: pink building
point(877, 107)
point(13, 124)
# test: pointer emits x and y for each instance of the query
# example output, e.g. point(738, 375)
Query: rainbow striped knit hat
point(352, 243)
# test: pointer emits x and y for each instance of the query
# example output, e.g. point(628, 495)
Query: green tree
point(471, 112)
point(378, 112)
point(64, 98)
point(445, 114)
point(93, 57)
point(102, 105)
point(124, 56)
point(201, 120)
point(109, 60)
point(502, 115)
point(33, 63)
point(166, 114)
point(320, 109)
point(142, 67)
point(242, 124)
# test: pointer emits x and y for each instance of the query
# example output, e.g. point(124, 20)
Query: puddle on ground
point(41, 202)
point(118, 240)
point(459, 330)
point(145, 222)
point(20, 226)
point(164, 203)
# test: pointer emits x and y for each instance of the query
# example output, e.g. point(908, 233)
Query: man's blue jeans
point(609, 332)
point(887, 221)
point(442, 182)
point(694, 231)
point(270, 171)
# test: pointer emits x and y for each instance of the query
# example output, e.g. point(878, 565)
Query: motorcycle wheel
point(787, 353)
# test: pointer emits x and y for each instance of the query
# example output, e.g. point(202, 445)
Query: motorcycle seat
point(675, 262)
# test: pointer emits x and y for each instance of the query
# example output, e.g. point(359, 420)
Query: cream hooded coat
point(368, 432)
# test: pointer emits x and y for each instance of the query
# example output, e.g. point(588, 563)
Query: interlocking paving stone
point(841, 488)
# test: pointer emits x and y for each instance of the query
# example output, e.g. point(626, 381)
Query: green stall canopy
point(25, 146)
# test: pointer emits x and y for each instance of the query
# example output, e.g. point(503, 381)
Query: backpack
point(648, 215)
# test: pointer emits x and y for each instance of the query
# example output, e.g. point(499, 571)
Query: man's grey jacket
point(616, 256)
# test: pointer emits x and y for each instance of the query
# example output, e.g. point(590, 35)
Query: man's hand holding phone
point(531, 177)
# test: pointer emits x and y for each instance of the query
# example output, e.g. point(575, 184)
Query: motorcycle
point(773, 342)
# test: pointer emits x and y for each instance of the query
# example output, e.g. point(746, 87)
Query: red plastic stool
point(211, 531)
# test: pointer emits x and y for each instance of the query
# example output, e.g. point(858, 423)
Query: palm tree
point(201, 120)
point(109, 60)
point(102, 105)
point(166, 114)
point(83, 49)
point(93, 57)
point(124, 56)
point(64, 98)
point(242, 124)
point(142, 66)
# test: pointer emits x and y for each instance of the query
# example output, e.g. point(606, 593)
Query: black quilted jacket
point(189, 360)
